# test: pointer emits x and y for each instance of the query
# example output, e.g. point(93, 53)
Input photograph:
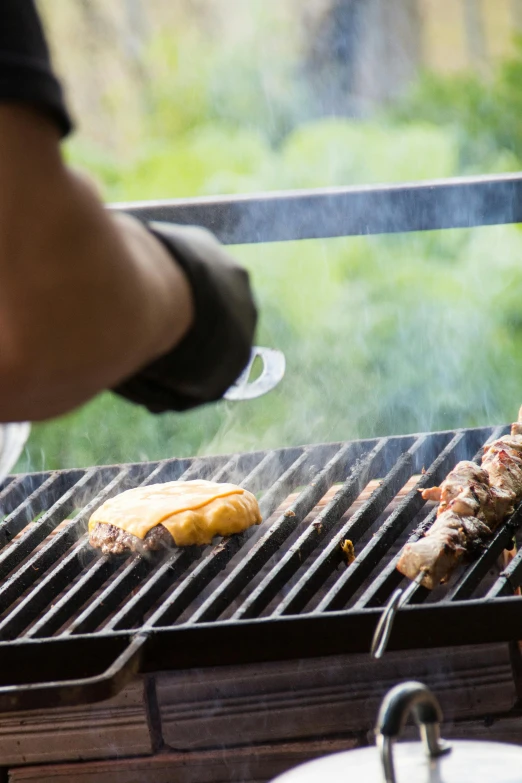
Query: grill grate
point(279, 590)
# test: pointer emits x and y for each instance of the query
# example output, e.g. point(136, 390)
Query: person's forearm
point(85, 298)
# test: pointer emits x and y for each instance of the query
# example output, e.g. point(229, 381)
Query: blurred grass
point(382, 335)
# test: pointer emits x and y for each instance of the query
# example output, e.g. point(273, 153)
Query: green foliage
point(485, 116)
point(338, 152)
point(382, 334)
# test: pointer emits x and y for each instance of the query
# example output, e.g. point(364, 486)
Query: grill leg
point(153, 714)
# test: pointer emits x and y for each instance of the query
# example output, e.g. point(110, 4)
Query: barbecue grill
point(75, 626)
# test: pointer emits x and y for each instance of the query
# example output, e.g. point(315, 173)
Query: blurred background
point(382, 335)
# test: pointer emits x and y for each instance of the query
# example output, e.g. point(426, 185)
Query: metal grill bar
point(48, 492)
point(310, 538)
point(74, 598)
point(105, 567)
point(345, 211)
point(53, 584)
point(57, 584)
point(353, 578)
point(51, 552)
point(367, 560)
point(134, 610)
point(329, 559)
point(389, 578)
point(509, 580)
point(134, 573)
point(16, 489)
point(296, 473)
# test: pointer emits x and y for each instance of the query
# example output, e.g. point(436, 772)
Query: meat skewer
point(467, 491)
point(473, 501)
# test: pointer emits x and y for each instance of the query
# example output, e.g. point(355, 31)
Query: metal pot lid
point(429, 761)
point(473, 762)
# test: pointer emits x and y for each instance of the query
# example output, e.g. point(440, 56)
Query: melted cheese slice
point(192, 511)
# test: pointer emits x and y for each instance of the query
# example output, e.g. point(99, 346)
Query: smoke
point(381, 334)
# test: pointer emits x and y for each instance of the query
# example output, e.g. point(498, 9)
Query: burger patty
point(114, 541)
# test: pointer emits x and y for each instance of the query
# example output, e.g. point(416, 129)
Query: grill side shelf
point(41, 675)
point(81, 669)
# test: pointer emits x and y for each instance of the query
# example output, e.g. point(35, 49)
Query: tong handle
point(274, 365)
point(408, 697)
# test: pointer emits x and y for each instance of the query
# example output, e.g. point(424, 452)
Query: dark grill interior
point(312, 498)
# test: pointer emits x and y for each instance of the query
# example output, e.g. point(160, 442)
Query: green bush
point(484, 116)
point(382, 334)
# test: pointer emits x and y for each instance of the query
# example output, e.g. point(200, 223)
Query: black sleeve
point(26, 74)
point(215, 351)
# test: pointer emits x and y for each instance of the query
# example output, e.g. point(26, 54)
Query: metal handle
point(31, 696)
point(409, 697)
point(273, 371)
point(384, 627)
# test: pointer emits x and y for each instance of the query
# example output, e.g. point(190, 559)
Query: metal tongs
point(385, 624)
point(273, 371)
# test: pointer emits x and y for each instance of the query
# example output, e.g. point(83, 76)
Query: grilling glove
point(214, 352)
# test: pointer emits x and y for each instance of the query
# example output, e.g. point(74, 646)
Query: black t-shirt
point(25, 69)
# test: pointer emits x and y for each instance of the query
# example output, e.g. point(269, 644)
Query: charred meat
point(474, 500)
point(113, 540)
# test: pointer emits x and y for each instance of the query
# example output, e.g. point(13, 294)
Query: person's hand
point(216, 349)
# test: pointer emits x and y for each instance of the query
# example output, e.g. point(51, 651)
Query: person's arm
point(90, 300)
point(86, 298)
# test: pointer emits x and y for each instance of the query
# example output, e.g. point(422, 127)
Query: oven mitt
point(215, 351)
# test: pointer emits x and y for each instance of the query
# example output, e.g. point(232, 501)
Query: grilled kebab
point(473, 501)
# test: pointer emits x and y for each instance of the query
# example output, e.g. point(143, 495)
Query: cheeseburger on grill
point(177, 513)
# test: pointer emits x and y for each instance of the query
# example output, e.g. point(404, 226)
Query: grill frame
point(60, 670)
point(89, 663)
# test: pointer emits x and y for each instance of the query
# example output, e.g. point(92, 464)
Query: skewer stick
point(385, 624)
